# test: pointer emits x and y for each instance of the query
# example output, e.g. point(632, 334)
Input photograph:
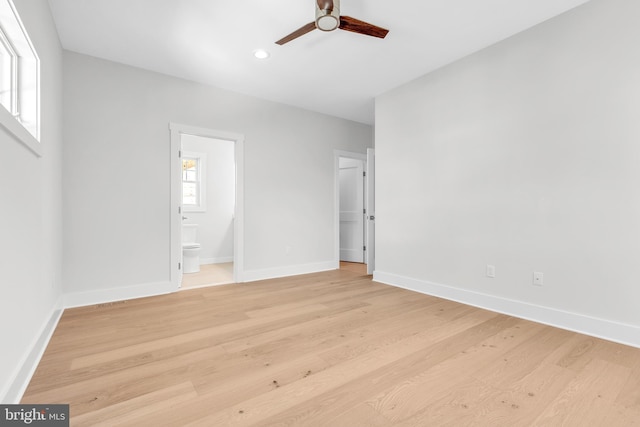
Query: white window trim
point(15, 129)
point(10, 123)
point(202, 181)
point(13, 73)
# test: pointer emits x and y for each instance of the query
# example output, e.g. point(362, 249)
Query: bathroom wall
point(524, 156)
point(117, 178)
point(30, 218)
point(215, 225)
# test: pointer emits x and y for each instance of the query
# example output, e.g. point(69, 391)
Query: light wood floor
point(329, 349)
point(209, 275)
point(354, 267)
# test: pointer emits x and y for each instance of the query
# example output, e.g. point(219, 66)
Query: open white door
point(351, 176)
point(371, 211)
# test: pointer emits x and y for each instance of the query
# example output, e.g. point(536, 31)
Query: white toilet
point(190, 249)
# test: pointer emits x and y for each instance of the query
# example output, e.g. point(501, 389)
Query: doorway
point(206, 193)
point(208, 205)
point(354, 208)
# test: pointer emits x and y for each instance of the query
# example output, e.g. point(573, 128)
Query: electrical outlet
point(538, 278)
point(491, 270)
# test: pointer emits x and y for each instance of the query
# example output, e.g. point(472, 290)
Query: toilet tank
point(189, 232)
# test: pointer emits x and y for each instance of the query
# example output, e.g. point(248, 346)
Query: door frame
point(336, 204)
point(176, 131)
point(370, 206)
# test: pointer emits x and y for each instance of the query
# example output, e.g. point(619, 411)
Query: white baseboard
point(600, 328)
point(14, 391)
point(101, 296)
point(292, 270)
point(206, 261)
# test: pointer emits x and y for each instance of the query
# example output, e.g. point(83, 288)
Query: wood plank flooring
point(328, 349)
point(209, 275)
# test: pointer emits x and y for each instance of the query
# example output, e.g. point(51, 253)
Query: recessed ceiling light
point(261, 54)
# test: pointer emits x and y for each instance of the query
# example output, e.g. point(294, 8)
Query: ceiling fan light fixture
point(327, 22)
point(327, 15)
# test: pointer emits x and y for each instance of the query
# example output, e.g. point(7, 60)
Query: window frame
point(201, 181)
point(5, 43)
point(21, 119)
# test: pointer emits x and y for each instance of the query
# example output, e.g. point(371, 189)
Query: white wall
point(525, 156)
point(215, 225)
point(116, 176)
point(30, 218)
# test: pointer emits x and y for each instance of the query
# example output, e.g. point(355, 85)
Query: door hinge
point(179, 209)
point(364, 248)
point(179, 266)
point(364, 211)
point(364, 174)
point(180, 153)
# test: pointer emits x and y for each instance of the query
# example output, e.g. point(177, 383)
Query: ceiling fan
point(328, 19)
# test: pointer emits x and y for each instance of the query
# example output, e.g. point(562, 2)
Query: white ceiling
point(337, 73)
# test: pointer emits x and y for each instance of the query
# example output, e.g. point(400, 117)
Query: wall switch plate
point(491, 270)
point(538, 278)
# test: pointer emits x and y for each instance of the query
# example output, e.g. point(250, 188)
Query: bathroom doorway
point(208, 206)
point(206, 187)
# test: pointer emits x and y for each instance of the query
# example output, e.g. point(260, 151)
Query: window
point(8, 63)
point(19, 71)
point(193, 181)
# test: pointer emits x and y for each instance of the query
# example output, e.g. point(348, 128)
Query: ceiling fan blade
point(297, 33)
point(356, 26)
